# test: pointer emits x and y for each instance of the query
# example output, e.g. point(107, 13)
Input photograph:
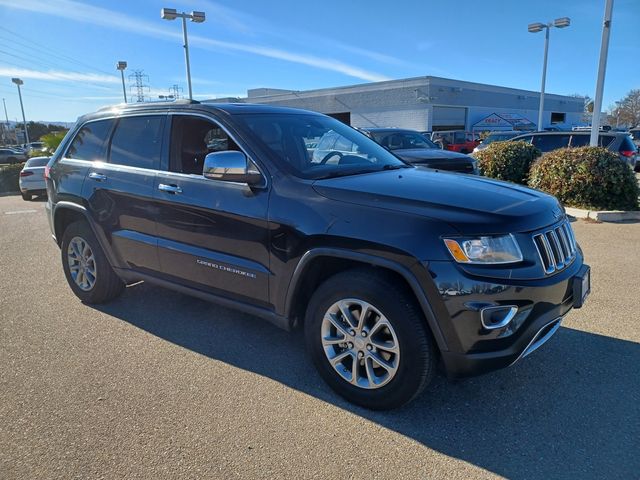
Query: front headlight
point(484, 250)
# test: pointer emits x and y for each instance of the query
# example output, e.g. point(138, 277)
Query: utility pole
point(139, 78)
point(602, 68)
point(175, 91)
point(5, 111)
point(19, 82)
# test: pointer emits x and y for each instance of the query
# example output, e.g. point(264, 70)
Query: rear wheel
point(26, 196)
point(86, 267)
point(368, 340)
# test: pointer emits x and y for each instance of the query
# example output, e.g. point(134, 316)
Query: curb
point(604, 215)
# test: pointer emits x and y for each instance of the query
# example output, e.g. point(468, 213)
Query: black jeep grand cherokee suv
point(388, 267)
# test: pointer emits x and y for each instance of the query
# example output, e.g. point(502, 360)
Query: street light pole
point(19, 82)
point(538, 27)
point(186, 55)
point(196, 17)
point(544, 77)
point(602, 68)
point(121, 65)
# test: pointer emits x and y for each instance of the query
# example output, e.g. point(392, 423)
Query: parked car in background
point(9, 155)
point(414, 148)
point(35, 147)
point(31, 179)
point(496, 137)
point(456, 140)
point(617, 142)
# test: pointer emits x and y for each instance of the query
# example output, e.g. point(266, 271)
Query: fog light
point(497, 317)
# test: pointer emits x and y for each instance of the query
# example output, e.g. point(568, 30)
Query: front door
point(212, 235)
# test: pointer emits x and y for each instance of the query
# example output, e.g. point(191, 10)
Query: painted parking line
point(17, 212)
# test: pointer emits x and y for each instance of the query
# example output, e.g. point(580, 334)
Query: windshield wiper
point(395, 167)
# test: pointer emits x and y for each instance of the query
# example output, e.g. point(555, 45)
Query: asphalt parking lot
point(161, 385)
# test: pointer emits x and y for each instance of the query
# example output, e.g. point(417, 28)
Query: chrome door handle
point(169, 188)
point(98, 177)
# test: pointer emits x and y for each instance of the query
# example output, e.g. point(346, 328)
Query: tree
point(628, 109)
point(53, 139)
point(587, 113)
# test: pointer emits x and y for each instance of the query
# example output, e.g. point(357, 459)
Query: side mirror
point(231, 166)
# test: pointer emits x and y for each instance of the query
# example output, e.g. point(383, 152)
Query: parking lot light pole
point(538, 27)
point(602, 68)
point(121, 65)
point(196, 17)
point(19, 82)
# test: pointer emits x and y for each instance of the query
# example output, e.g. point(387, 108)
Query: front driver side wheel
point(368, 340)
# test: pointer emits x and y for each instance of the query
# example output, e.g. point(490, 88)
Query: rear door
point(212, 235)
point(547, 143)
point(120, 190)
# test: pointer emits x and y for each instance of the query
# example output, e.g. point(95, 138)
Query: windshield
point(313, 146)
point(402, 140)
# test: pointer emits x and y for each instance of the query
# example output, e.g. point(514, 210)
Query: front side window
point(341, 149)
point(90, 141)
point(137, 142)
point(192, 138)
point(546, 143)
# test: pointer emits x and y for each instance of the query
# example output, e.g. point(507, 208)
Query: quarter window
point(90, 141)
point(137, 142)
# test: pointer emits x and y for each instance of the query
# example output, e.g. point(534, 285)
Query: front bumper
point(475, 349)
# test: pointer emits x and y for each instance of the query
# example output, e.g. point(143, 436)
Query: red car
point(456, 140)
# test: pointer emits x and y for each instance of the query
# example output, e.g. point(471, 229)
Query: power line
point(175, 91)
point(139, 78)
point(49, 51)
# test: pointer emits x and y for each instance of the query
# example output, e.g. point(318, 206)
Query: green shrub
point(586, 177)
point(9, 175)
point(507, 160)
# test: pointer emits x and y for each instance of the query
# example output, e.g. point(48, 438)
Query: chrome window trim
point(93, 120)
point(65, 159)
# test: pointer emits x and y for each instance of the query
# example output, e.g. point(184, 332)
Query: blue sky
point(66, 50)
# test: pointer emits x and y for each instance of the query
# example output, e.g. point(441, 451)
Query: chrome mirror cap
point(231, 166)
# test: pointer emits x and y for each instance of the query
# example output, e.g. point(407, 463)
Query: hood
point(416, 154)
point(470, 204)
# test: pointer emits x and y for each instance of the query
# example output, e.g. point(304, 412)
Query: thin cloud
point(56, 75)
point(101, 16)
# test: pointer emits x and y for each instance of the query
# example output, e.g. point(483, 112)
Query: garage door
point(449, 118)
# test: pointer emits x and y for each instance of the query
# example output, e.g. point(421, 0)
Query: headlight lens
point(484, 250)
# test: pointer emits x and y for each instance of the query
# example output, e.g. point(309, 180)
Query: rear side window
point(546, 143)
point(37, 162)
point(90, 141)
point(137, 142)
point(584, 140)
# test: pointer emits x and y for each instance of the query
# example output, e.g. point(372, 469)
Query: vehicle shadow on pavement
point(571, 410)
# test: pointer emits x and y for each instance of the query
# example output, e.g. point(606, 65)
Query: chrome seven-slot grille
point(556, 247)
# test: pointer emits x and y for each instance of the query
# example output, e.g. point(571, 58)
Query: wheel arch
point(318, 264)
point(66, 213)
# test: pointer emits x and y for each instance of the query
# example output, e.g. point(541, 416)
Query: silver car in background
point(32, 178)
point(10, 155)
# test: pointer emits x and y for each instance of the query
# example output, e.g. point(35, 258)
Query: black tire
point(107, 284)
point(418, 354)
point(12, 160)
point(26, 196)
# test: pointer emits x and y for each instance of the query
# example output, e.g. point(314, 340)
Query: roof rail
point(154, 103)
